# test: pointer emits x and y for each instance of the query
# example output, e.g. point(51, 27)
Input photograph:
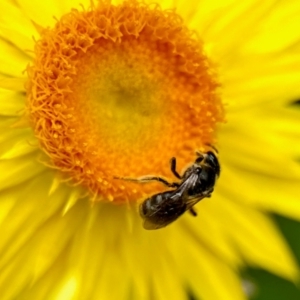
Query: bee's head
point(211, 159)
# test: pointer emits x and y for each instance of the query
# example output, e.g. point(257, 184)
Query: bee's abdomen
point(162, 209)
point(152, 204)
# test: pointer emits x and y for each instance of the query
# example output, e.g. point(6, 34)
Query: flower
point(55, 244)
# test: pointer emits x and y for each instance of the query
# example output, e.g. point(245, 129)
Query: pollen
point(116, 91)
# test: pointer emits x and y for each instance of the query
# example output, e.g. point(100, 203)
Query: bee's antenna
point(199, 154)
point(211, 146)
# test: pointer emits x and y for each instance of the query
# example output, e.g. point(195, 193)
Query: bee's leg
point(193, 212)
point(173, 167)
point(150, 178)
point(157, 178)
point(208, 194)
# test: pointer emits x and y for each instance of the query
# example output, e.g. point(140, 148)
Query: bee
point(196, 183)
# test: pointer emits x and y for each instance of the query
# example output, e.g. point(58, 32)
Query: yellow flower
point(116, 90)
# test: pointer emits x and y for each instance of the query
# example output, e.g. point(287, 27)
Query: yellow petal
point(22, 220)
point(211, 236)
point(15, 142)
point(103, 252)
point(244, 39)
point(202, 15)
point(205, 271)
point(18, 170)
point(68, 289)
point(72, 199)
point(106, 288)
point(258, 80)
point(67, 5)
point(221, 30)
point(19, 148)
point(11, 102)
point(165, 4)
point(41, 12)
point(264, 162)
point(121, 243)
point(49, 9)
point(28, 235)
point(283, 22)
point(38, 254)
point(263, 192)
point(20, 31)
point(256, 236)
point(277, 129)
point(171, 285)
point(12, 83)
point(13, 61)
point(54, 284)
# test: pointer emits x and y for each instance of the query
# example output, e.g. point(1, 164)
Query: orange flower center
point(118, 91)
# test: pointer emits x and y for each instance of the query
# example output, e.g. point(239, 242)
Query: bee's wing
point(191, 202)
point(163, 221)
point(189, 183)
point(152, 226)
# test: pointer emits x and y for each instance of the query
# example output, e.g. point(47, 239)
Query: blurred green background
point(269, 286)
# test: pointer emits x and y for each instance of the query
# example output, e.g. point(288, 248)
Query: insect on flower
point(197, 182)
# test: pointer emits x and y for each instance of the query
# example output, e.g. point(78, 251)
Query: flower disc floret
point(119, 90)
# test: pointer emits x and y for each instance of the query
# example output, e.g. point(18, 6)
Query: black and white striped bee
point(196, 183)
